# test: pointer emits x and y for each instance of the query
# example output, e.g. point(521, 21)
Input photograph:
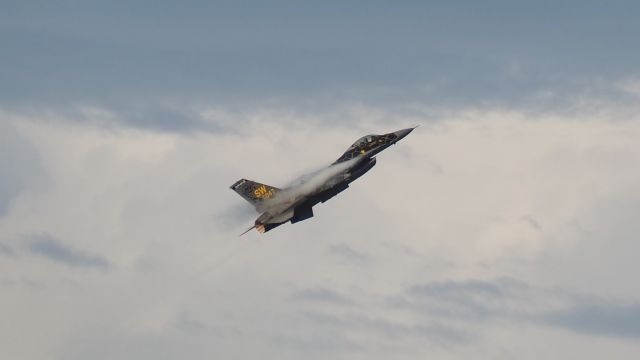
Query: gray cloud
point(451, 290)
point(5, 250)
point(49, 247)
point(532, 221)
point(235, 217)
point(512, 300)
point(469, 299)
point(347, 254)
point(464, 229)
point(381, 326)
point(601, 319)
point(320, 295)
point(21, 168)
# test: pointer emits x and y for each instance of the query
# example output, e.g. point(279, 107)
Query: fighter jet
point(295, 203)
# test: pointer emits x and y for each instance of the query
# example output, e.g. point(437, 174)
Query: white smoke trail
point(308, 184)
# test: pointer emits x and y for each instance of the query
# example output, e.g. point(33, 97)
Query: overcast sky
point(506, 226)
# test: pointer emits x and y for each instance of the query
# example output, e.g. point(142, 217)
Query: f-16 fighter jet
point(295, 203)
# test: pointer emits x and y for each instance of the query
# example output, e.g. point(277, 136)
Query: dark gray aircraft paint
point(295, 203)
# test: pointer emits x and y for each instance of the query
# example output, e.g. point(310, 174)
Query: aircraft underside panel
point(283, 217)
point(302, 213)
point(362, 169)
point(328, 194)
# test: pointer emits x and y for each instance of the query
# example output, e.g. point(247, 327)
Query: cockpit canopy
point(363, 141)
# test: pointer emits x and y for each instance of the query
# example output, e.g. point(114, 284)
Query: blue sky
point(505, 226)
point(496, 52)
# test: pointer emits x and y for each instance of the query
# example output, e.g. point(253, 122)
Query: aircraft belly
point(281, 217)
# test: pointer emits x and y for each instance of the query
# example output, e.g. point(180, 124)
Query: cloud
point(599, 319)
point(452, 290)
point(21, 167)
point(515, 301)
point(475, 235)
point(49, 247)
point(471, 299)
point(5, 250)
point(320, 295)
point(387, 328)
point(347, 254)
point(504, 227)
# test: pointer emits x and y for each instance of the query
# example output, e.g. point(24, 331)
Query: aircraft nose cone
point(402, 133)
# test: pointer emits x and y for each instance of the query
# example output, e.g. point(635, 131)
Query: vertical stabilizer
point(254, 192)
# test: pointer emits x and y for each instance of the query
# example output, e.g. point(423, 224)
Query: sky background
point(504, 227)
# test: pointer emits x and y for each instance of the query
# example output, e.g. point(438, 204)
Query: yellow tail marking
point(263, 192)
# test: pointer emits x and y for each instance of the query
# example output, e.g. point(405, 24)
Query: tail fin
point(254, 192)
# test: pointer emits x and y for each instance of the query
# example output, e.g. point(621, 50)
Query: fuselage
point(294, 203)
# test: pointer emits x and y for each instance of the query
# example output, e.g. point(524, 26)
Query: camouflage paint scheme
point(278, 206)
